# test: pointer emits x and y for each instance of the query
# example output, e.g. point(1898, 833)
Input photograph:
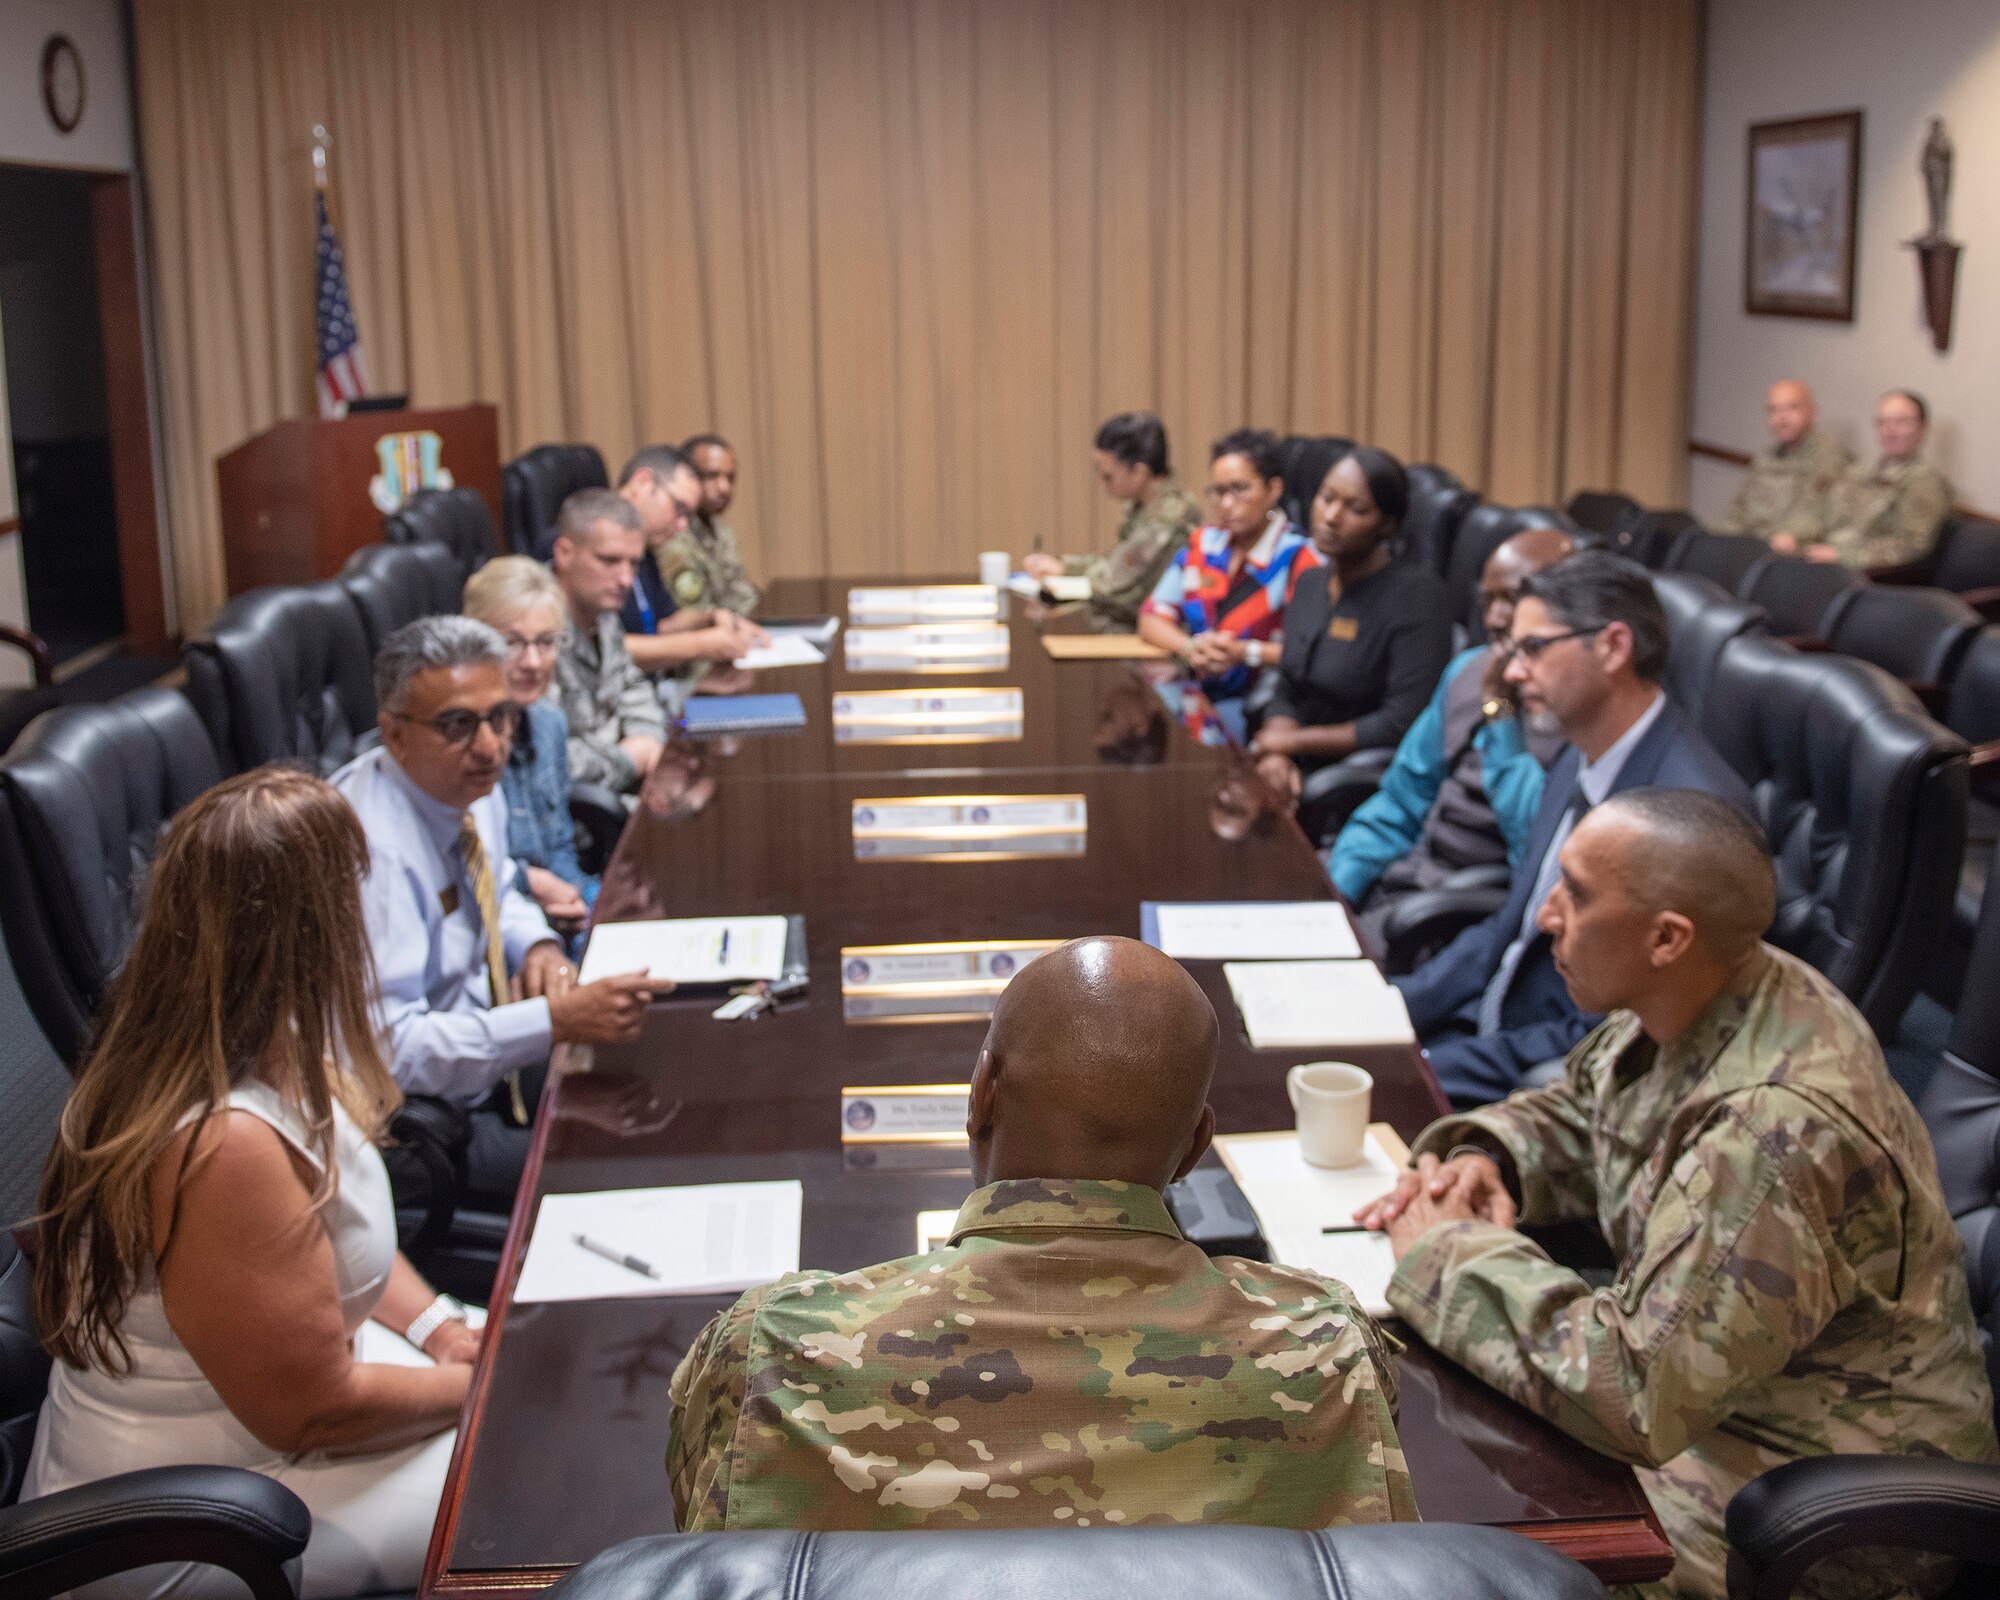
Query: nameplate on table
point(911, 1113)
point(929, 647)
point(947, 982)
point(969, 827)
point(926, 716)
point(936, 602)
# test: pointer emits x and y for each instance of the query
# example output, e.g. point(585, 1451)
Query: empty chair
point(1721, 558)
point(534, 485)
point(285, 675)
point(391, 584)
point(1967, 562)
point(1918, 635)
point(1438, 503)
point(1603, 512)
point(1701, 619)
point(1797, 595)
point(458, 519)
point(1862, 799)
point(1652, 538)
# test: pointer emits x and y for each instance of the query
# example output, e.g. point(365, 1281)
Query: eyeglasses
point(1231, 491)
point(543, 644)
point(1531, 648)
point(460, 726)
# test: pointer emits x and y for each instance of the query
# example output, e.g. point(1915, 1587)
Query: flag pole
point(322, 142)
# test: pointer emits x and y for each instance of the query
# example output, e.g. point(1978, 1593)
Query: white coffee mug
point(1330, 1099)
point(994, 567)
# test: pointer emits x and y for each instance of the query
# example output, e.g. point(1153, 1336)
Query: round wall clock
point(62, 83)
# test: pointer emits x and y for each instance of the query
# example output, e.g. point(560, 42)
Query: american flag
point(342, 376)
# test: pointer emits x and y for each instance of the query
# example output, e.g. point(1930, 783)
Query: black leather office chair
point(1396, 1561)
point(391, 584)
point(1805, 1511)
point(1302, 462)
point(285, 675)
point(1438, 503)
point(455, 518)
point(1721, 558)
point(1966, 562)
point(1701, 619)
point(1862, 798)
point(534, 485)
point(1482, 531)
point(1797, 595)
point(1651, 539)
point(1973, 713)
point(1918, 635)
point(1604, 512)
point(242, 1522)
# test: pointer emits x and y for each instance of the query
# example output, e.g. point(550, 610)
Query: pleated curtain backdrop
point(908, 253)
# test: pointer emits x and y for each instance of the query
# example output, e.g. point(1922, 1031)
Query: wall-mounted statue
point(1937, 252)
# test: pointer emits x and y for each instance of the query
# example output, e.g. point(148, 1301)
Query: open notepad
point(621, 1244)
point(688, 950)
point(1294, 1201)
point(1307, 1004)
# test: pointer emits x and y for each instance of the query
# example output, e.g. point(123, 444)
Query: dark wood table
point(563, 1448)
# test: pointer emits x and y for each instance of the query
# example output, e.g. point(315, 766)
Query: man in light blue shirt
point(471, 1000)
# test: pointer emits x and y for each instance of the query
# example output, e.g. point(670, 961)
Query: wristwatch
point(1253, 653)
point(1498, 709)
point(433, 1317)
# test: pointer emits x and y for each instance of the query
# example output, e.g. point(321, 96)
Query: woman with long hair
point(215, 1226)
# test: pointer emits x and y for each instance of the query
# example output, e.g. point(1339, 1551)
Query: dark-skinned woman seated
point(1366, 639)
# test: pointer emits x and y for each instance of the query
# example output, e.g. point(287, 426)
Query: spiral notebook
point(743, 713)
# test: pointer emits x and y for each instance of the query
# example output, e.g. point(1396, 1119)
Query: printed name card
point(913, 1113)
point(929, 647)
point(937, 602)
point(930, 982)
point(926, 716)
point(969, 827)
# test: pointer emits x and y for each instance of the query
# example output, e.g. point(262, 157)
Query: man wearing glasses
point(475, 986)
point(1587, 647)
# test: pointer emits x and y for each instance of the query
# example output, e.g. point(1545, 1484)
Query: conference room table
point(563, 1445)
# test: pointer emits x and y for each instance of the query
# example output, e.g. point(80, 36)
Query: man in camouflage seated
point(1068, 1359)
point(1789, 1281)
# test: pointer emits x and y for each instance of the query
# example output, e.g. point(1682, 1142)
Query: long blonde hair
point(252, 961)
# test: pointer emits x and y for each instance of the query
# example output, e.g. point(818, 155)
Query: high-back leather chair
point(393, 584)
point(240, 1521)
point(1722, 558)
point(1967, 561)
point(285, 674)
point(1972, 711)
point(534, 485)
point(1862, 798)
point(84, 794)
point(1303, 460)
point(1653, 538)
point(1918, 635)
point(1701, 620)
point(455, 518)
point(1797, 595)
point(1438, 503)
point(1604, 512)
point(1482, 531)
point(1389, 1561)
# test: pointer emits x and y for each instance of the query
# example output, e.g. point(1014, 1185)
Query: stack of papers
point(1250, 930)
point(784, 650)
point(1294, 1201)
point(814, 630)
point(1290, 1005)
point(688, 950)
point(622, 1244)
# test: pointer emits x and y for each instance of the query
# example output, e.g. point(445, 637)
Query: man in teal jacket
point(1467, 778)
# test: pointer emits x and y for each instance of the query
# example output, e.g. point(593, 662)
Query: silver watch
point(433, 1317)
point(1253, 653)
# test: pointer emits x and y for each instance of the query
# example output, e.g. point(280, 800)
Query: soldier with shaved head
point(1787, 498)
point(1789, 1281)
point(1067, 1359)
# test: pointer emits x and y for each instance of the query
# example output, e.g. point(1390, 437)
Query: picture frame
point(1802, 211)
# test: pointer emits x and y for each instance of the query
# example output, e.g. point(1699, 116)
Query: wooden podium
point(295, 499)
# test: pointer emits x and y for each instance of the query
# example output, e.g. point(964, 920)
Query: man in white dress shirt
point(475, 986)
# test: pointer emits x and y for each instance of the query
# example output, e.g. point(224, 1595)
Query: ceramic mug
point(994, 567)
point(1330, 1099)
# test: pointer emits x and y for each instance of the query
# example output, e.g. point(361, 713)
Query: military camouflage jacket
point(1789, 1279)
point(1123, 576)
point(702, 565)
point(606, 698)
point(1789, 491)
point(1067, 1360)
point(1889, 513)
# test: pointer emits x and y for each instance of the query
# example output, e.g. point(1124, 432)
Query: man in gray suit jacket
point(1588, 645)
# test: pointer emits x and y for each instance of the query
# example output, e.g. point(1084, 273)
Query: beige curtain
point(908, 253)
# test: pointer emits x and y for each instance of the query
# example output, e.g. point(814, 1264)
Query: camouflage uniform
point(1789, 1282)
point(1067, 1360)
point(1889, 513)
point(1148, 538)
point(606, 698)
point(702, 565)
point(1789, 491)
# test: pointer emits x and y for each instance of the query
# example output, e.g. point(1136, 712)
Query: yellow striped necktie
point(488, 896)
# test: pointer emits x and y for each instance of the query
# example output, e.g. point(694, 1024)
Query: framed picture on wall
point(1804, 198)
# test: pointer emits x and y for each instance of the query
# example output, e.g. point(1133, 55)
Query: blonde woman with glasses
point(216, 1231)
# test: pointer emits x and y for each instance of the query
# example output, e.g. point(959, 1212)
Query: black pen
point(1348, 1227)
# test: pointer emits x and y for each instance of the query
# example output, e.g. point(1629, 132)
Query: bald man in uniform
point(1789, 1279)
point(1787, 500)
point(1067, 1359)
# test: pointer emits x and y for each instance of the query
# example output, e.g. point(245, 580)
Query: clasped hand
point(1467, 1188)
point(1211, 653)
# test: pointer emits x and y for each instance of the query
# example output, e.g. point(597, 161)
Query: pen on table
point(1348, 1227)
point(617, 1257)
point(722, 952)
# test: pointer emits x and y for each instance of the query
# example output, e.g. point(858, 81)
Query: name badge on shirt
point(1343, 628)
point(448, 898)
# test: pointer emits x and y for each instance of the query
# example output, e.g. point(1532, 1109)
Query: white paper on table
point(706, 1238)
point(819, 633)
point(1061, 587)
point(687, 949)
point(784, 650)
point(1294, 1200)
point(1288, 1004)
point(1257, 930)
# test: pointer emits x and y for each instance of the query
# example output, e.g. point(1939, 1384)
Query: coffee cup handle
point(1292, 1087)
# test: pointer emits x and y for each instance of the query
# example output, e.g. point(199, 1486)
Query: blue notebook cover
point(743, 713)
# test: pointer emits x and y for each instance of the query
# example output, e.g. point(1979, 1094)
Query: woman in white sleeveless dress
point(216, 1229)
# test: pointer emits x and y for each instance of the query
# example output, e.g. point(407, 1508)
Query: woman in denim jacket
point(517, 596)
